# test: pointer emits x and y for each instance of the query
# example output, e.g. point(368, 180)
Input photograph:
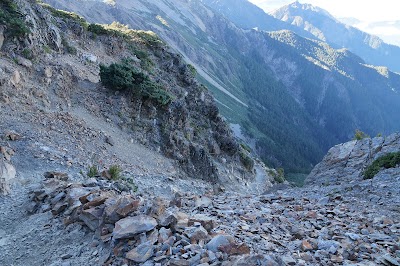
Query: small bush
point(149, 38)
point(155, 91)
point(123, 76)
point(145, 61)
point(115, 172)
point(192, 70)
point(98, 29)
point(93, 171)
point(390, 160)
point(359, 135)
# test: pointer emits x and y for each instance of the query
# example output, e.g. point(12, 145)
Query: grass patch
point(390, 160)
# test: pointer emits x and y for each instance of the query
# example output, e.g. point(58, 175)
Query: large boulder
point(346, 162)
point(7, 174)
point(131, 226)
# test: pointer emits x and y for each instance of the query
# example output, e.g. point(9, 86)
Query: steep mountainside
point(269, 83)
point(328, 29)
point(49, 80)
point(86, 112)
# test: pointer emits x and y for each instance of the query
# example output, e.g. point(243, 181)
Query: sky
point(367, 11)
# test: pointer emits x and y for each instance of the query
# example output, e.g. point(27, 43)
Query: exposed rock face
point(1, 36)
point(7, 174)
point(346, 162)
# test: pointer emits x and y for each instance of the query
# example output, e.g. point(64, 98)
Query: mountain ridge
point(292, 102)
point(327, 28)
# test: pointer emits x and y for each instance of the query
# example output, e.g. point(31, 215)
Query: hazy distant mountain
point(295, 97)
point(349, 21)
point(248, 16)
point(328, 29)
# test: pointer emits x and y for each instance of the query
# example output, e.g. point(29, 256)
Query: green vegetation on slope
point(390, 160)
point(12, 19)
point(124, 76)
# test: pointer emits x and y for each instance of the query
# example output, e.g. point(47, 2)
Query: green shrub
point(115, 172)
point(387, 161)
point(149, 38)
point(123, 76)
point(145, 61)
point(192, 70)
point(93, 171)
point(12, 19)
point(155, 91)
point(359, 135)
point(98, 29)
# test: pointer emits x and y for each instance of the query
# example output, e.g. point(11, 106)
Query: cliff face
point(50, 79)
point(346, 162)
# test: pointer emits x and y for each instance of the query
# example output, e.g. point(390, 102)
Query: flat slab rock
point(131, 226)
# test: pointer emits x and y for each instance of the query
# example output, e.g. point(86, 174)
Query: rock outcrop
point(7, 174)
point(346, 162)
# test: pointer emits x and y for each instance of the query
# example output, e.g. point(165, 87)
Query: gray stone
point(131, 226)
point(353, 236)
point(141, 253)
point(203, 202)
point(327, 244)
point(7, 174)
point(219, 241)
point(288, 260)
point(91, 217)
point(254, 260)
point(206, 221)
point(389, 259)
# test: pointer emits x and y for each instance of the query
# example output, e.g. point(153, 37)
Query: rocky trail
point(60, 220)
point(89, 223)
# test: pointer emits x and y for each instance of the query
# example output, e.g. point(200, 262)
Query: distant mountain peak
point(297, 6)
